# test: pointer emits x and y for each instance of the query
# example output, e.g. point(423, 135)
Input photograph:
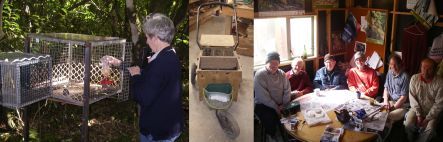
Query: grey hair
point(159, 25)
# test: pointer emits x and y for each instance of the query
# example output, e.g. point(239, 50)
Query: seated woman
point(299, 79)
point(330, 77)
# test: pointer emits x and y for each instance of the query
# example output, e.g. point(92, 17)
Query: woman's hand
point(135, 70)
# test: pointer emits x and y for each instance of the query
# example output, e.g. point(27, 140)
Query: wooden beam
point(328, 30)
point(243, 11)
point(400, 13)
point(218, 63)
point(393, 27)
point(204, 16)
point(395, 5)
point(326, 9)
point(217, 40)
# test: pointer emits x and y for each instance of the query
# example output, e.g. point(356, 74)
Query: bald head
point(427, 68)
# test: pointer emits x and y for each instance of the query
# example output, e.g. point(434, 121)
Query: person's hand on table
point(135, 70)
point(296, 93)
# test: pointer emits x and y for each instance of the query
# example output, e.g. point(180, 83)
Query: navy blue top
point(334, 79)
point(397, 86)
point(158, 92)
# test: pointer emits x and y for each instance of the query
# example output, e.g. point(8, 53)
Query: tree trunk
point(2, 34)
point(137, 50)
point(132, 20)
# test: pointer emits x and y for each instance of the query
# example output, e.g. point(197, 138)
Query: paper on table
point(378, 123)
point(374, 61)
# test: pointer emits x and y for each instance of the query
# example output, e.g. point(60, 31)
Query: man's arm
point(415, 106)
point(438, 103)
point(400, 102)
point(352, 84)
point(404, 93)
point(286, 92)
point(342, 82)
point(373, 89)
point(307, 83)
point(386, 98)
point(318, 80)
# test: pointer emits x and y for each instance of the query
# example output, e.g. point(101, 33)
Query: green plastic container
point(218, 96)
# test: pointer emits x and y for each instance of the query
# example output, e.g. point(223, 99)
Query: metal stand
point(25, 109)
point(26, 124)
point(86, 91)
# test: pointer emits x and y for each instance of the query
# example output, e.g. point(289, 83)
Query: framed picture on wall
point(280, 7)
point(360, 46)
point(325, 4)
point(376, 29)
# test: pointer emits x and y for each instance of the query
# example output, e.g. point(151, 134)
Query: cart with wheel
point(217, 72)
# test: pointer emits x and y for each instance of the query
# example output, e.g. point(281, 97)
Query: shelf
point(407, 13)
point(400, 13)
point(327, 9)
point(268, 15)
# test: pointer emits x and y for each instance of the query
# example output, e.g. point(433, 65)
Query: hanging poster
point(375, 31)
point(325, 4)
point(280, 7)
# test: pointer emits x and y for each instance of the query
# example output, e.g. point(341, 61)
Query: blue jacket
point(158, 92)
point(334, 80)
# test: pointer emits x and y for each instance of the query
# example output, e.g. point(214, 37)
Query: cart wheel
point(193, 73)
point(228, 123)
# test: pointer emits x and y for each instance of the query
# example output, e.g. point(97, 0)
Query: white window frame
point(288, 40)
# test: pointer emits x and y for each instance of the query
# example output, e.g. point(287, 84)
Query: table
point(314, 133)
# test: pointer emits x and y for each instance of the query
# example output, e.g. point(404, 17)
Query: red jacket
point(365, 81)
point(300, 82)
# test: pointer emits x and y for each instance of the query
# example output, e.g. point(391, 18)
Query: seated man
point(272, 93)
point(426, 98)
point(396, 89)
point(330, 77)
point(362, 78)
point(299, 79)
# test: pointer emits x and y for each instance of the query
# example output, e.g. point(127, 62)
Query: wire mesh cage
point(108, 58)
point(25, 78)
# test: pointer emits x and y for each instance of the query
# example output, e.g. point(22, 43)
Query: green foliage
point(52, 121)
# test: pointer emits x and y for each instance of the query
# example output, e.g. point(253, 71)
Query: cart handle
point(221, 4)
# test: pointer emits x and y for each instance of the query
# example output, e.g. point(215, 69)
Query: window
point(272, 34)
point(302, 37)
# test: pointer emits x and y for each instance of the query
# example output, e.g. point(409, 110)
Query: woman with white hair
point(299, 79)
point(157, 87)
